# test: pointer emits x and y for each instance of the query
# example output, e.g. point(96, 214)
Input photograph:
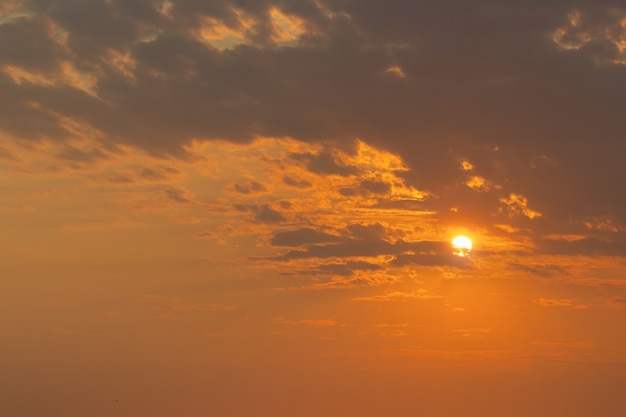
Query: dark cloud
point(266, 214)
point(296, 182)
point(367, 188)
point(120, 179)
point(403, 204)
point(340, 269)
point(531, 93)
point(546, 271)
point(263, 213)
point(7, 155)
point(376, 187)
point(301, 237)
point(158, 174)
point(25, 109)
point(347, 191)
point(358, 240)
point(348, 268)
point(25, 42)
point(250, 187)
point(342, 250)
point(367, 232)
point(80, 158)
point(324, 164)
point(432, 259)
point(609, 245)
point(179, 195)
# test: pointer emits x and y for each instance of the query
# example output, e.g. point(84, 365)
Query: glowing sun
point(461, 245)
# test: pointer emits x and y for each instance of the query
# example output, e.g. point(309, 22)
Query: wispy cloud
point(419, 294)
point(562, 302)
point(309, 322)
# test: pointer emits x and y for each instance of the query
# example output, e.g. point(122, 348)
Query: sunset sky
point(245, 208)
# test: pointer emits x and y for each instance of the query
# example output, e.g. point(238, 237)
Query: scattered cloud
point(179, 195)
point(396, 71)
point(602, 37)
point(540, 270)
point(518, 205)
point(294, 181)
point(325, 163)
point(566, 303)
point(302, 237)
point(419, 294)
point(249, 187)
point(472, 332)
point(313, 323)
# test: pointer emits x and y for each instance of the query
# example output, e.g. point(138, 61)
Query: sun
point(461, 246)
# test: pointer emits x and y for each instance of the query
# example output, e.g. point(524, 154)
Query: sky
point(245, 208)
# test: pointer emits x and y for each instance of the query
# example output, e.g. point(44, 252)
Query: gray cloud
point(263, 213)
point(6, 154)
point(250, 187)
point(612, 246)
point(376, 187)
point(78, 158)
point(324, 164)
point(296, 182)
point(266, 214)
point(367, 232)
point(300, 237)
point(358, 240)
point(348, 268)
point(487, 81)
point(158, 174)
point(179, 195)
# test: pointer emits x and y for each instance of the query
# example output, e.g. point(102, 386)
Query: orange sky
point(245, 208)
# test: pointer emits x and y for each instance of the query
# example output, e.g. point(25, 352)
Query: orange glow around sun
point(461, 245)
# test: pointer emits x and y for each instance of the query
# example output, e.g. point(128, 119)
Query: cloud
point(296, 182)
point(463, 127)
point(347, 268)
point(420, 294)
point(146, 175)
point(179, 195)
point(613, 244)
point(541, 270)
point(566, 303)
point(471, 332)
point(301, 237)
point(250, 187)
point(599, 35)
point(6, 154)
point(341, 250)
point(422, 251)
point(432, 259)
point(364, 247)
point(313, 323)
point(266, 214)
point(518, 205)
point(374, 231)
point(325, 163)
point(158, 174)
point(376, 187)
point(263, 213)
